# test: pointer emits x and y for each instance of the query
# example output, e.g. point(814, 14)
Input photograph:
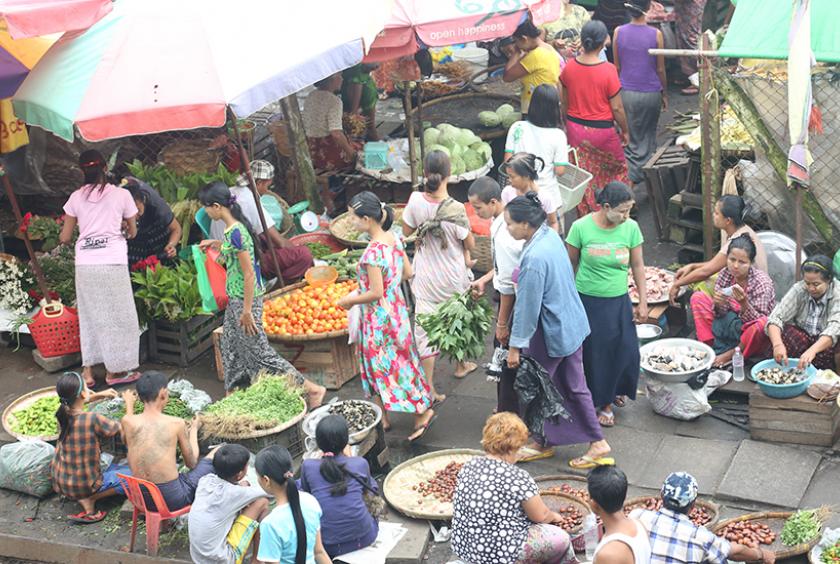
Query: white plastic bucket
point(475, 57)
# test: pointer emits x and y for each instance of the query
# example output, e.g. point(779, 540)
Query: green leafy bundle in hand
point(459, 326)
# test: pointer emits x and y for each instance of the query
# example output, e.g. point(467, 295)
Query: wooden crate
point(666, 174)
point(800, 420)
point(183, 342)
point(331, 362)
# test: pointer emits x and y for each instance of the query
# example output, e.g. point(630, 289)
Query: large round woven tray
point(299, 338)
point(398, 487)
point(23, 402)
point(342, 226)
point(775, 520)
point(547, 483)
point(272, 431)
point(558, 501)
point(461, 110)
point(711, 508)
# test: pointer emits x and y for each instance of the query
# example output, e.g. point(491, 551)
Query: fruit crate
point(183, 342)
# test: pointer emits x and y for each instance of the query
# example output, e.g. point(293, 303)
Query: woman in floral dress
point(390, 365)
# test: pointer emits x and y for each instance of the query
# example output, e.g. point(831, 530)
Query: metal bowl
point(676, 377)
point(310, 423)
point(647, 332)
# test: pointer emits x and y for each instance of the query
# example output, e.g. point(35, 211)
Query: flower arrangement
point(15, 279)
point(43, 228)
point(150, 261)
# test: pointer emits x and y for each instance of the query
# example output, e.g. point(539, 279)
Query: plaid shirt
point(761, 295)
point(675, 539)
point(260, 170)
point(75, 468)
point(795, 308)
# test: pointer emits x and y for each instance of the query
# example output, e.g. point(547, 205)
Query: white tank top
point(639, 545)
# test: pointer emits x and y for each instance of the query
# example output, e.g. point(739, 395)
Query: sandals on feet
point(587, 462)
point(85, 518)
point(422, 430)
point(530, 454)
point(606, 418)
point(128, 378)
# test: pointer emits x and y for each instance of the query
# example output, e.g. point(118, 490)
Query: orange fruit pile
point(308, 310)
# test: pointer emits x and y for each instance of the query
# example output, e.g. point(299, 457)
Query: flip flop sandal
point(532, 454)
point(609, 418)
point(587, 462)
point(468, 372)
point(620, 401)
point(423, 429)
point(690, 91)
point(127, 379)
point(84, 518)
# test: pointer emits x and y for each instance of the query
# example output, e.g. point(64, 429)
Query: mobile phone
point(726, 291)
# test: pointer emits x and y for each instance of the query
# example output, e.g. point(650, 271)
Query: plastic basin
point(782, 391)
point(319, 276)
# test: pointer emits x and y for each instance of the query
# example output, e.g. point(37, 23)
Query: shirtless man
point(151, 438)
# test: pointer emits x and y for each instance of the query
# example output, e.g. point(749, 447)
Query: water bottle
point(590, 535)
point(738, 365)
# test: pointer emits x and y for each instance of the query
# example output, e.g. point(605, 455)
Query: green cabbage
point(467, 138)
point(472, 160)
point(510, 119)
point(504, 109)
point(443, 148)
point(482, 149)
point(446, 127)
point(489, 119)
point(448, 137)
point(431, 136)
point(458, 166)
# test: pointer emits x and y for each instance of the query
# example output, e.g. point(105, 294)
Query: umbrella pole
point(36, 267)
point(798, 188)
point(420, 120)
point(245, 167)
point(409, 126)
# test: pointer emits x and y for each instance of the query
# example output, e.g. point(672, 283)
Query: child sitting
point(227, 511)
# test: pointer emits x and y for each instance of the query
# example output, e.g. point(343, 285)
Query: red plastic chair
point(134, 493)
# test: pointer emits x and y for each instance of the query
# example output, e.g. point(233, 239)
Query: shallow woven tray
point(272, 431)
point(299, 338)
point(23, 402)
point(556, 501)
point(399, 484)
point(461, 110)
point(342, 225)
point(775, 520)
point(712, 508)
point(556, 480)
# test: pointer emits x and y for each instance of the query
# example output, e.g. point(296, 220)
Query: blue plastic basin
point(783, 391)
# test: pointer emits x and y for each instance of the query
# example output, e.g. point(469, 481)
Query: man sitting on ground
point(227, 510)
point(625, 541)
point(151, 438)
point(674, 538)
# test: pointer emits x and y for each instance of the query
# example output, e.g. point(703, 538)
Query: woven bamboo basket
point(187, 156)
point(280, 135)
point(299, 338)
point(775, 520)
point(23, 402)
point(342, 228)
point(546, 483)
point(712, 509)
point(558, 501)
point(482, 253)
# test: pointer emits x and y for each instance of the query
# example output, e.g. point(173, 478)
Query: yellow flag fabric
point(13, 133)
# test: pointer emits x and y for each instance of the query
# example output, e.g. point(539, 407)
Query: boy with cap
point(675, 539)
point(292, 260)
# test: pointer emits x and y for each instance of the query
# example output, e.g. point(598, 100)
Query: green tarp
point(759, 30)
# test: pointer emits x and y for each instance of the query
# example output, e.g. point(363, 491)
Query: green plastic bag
point(208, 300)
point(837, 264)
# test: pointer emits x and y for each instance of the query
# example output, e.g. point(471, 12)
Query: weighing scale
point(306, 221)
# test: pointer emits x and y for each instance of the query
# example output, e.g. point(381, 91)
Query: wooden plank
point(803, 402)
point(792, 437)
point(790, 421)
point(691, 200)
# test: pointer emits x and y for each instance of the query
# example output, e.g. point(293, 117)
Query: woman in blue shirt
point(292, 531)
point(550, 323)
point(339, 483)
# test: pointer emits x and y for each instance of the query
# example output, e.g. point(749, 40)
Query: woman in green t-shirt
point(245, 348)
point(602, 246)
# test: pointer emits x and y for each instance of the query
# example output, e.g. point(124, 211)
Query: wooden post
point(420, 120)
point(409, 126)
point(245, 168)
point(300, 152)
point(798, 189)
point(36, 268)
point(710, 146)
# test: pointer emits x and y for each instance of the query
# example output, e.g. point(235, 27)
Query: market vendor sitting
point(806, 323)
point(158, 232)
point(737, 314)
point(292, 260)
point(728, 216)
point(76, 472)
point(152, 439)
point(322, 120)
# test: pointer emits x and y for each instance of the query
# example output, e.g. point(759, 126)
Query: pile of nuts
point(698, 515)
point(748, 533)
point(582, 495)
point(442, 484)
point(570, 518)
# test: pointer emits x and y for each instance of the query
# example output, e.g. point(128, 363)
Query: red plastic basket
point(318, 237)
point(55, 330)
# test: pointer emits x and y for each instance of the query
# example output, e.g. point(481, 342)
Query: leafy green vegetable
point(37, 420)
point(459, 326)
point(59, 268)
point(169, 293)
point(801, 527)
point(268, 402)
point(175, 407)
point(831, 555)
point(345, 262)
point(319, 250)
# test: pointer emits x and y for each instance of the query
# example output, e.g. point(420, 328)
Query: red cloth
point(293, 262)
point(753, 340)
point(477, 225)
point(798, 341)
point(599, 151)
point(589, 89)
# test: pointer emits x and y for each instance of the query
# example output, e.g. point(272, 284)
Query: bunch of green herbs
point(801, 527)
point(459, 326)
point(167, 293)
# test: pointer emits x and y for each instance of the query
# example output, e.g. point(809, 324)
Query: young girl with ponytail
point(245, 348)
point(339, 482)
point(390, 366)
point(75, 470)
point(523, 170)
point(292, 531)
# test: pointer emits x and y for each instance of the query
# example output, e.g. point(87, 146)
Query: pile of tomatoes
point(308, 310)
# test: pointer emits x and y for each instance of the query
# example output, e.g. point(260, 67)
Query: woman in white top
point(541, 136)
point(625, 540)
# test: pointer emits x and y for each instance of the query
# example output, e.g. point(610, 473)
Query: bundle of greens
point(59, 266)
point(459, 326)
point(37, 420)
point(167, 293)
point(270, 401)
point(175, 407)
point(803, 526)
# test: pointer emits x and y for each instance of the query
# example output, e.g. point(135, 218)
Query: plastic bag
point(679, 401)
point(211, 279)
point(781, 260)
point(354, 324)
point(829, 538)
point(25, 467)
